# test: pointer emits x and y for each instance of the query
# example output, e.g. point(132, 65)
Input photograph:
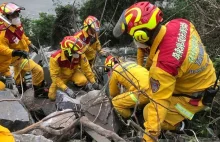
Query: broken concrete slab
point(12, 114)
point(35, 104)
point(30, 138)
point(98, 109)
point(96, 136)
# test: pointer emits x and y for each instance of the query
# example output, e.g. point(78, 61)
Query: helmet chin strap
point(140, 45)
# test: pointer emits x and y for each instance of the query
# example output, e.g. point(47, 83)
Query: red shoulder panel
point(174, 46)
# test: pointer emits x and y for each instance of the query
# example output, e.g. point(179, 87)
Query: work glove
point(70, 93)
point(92, 40)
point(34, 48)
point(97, 86)
point(19, 53)
point(9, 82)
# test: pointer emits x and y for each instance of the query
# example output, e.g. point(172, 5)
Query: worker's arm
point(4, 46)
point(55, 72)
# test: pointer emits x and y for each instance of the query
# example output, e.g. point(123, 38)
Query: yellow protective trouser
point(5, 135)
point(24, 65)
point(78, 78)
point(2, 86)
point(123, 102)
point(173, 117)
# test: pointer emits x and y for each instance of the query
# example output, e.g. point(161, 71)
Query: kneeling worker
point(70, 64)
point(134, 78)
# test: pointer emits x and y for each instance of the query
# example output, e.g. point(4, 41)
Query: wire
point(103, 11)
point(111, 19)
point(138, 90)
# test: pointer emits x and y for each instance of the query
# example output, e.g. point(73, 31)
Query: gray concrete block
point(12, 114)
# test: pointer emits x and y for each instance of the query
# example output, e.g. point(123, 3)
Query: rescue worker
point(6, 135)
point(64, 67)
point(181, 72)
point(13, 37)
point(122, 75)
point(89, 35)
point(6, 55)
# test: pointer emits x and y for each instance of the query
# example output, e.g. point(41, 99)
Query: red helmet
point(110, 61)
point(92, 22)
point(73, 44)
point(10, 8)
point(141, 15)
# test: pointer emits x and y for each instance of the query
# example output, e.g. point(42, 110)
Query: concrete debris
point(99, 109)
point(35, 104)
point(12, 114)
point(30, 138)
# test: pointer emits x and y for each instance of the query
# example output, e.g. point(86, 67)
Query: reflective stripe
point(25, 61)
point(184, 111)
point(133, 97)
point(128, 66)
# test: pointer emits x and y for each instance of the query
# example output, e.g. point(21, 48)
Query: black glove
point(33, 48)
point(92, 40)
point(97, 86)
point(19, 53)
point(70, 93)
point(9, 82)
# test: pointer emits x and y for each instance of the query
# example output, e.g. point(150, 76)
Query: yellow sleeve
point(140, 56)
point(96, 46)
point(162, 85)
point(4, 45)
point(28, 42)
point(113, 85)
point(87, 69)
point(7, 72)
point(54, 74)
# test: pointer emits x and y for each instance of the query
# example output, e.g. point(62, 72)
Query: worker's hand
point(97, 86)
point(33, 48)
point(92, 40)
point(19, 53)
point(70, 93)
point(104, 53)
point(9, 82)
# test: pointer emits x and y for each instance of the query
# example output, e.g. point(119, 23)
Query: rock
point(38, 107)
point(99, 109)
point(63, 101)
point(12, 114)
point(30, 138)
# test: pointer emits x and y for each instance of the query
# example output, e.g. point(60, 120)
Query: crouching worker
point(133, 78)
point(14, 38)
point(70, 64)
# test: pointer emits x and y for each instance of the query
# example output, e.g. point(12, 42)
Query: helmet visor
point(120, 27)
point(95, 25)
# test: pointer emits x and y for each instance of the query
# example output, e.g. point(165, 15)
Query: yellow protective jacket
point(92, 48)
point(133, 72)
point(61, 67)
point(11, 38)
point(179, 65)
point(5, 135)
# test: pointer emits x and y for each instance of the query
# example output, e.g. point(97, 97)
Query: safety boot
point(41, 91)
point(20, 88)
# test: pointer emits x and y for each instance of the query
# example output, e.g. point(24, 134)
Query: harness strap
point(188, 96)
